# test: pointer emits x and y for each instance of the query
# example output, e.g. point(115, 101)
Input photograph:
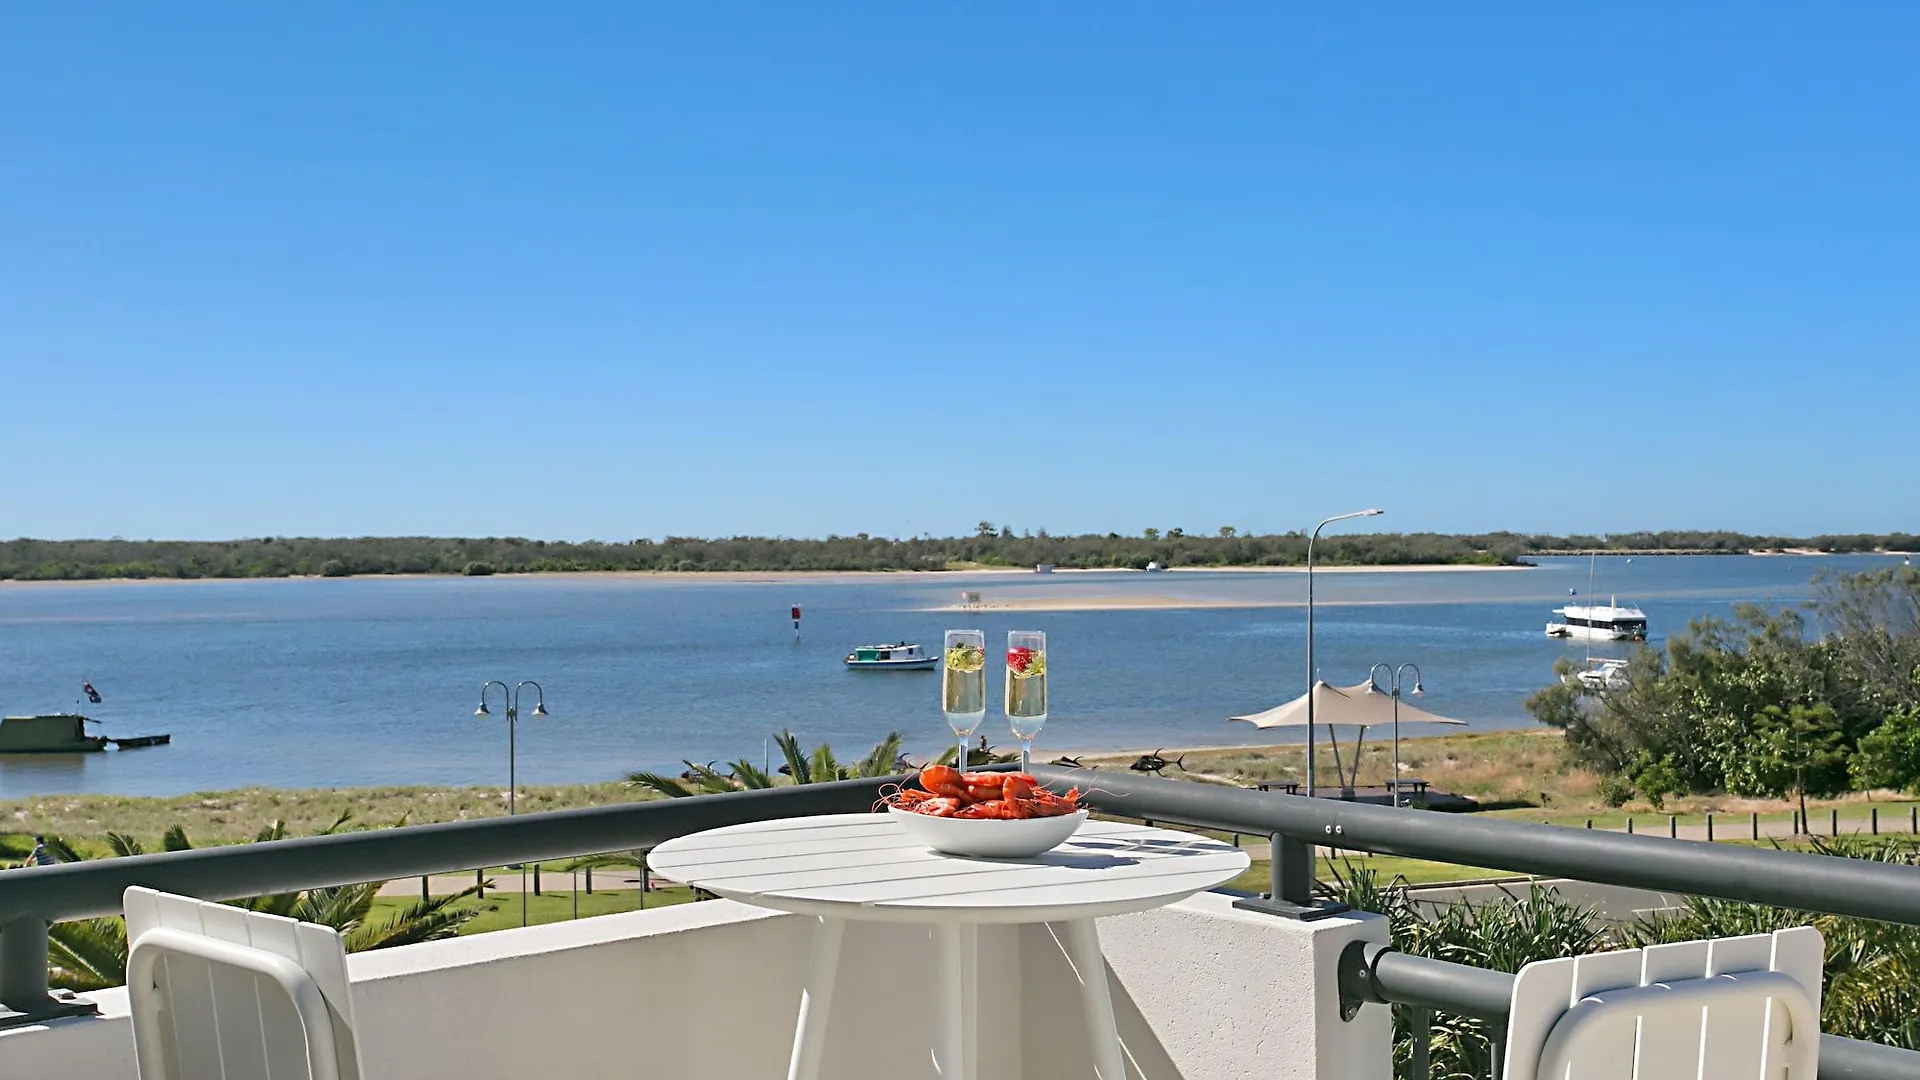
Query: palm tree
point(91, 954)
point(817, 767)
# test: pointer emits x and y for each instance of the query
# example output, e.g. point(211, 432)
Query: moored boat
point(1602, 674)
point(63, 733)
point(904, 656)
point(1599, 622)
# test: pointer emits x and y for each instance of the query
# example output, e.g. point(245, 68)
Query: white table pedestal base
point(956, 1035)
point(1090, 967)
point(816, 997)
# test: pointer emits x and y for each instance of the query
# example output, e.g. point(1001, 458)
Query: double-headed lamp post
point(512, 697)
point(1398, 674)
point(1311, 675)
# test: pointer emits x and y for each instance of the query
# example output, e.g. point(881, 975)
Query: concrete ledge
point(1202, 992)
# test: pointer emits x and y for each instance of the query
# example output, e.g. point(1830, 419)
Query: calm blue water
point(371, 681)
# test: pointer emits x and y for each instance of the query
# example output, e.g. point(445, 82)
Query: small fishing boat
point(1602, 674)
point(63, 733)
point(904, 656)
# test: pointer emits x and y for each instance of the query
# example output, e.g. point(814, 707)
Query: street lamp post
point(1311, 676)
point(1398, 674)
point(512, 697)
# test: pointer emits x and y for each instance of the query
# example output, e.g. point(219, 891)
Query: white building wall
point(709, 990)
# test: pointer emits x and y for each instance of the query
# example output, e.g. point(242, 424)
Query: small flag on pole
point(796, 622)
point(86, 687)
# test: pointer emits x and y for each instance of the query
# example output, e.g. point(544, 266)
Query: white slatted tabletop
point(863, 867)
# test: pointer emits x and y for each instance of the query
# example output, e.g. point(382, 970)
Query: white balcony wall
point(709, 990)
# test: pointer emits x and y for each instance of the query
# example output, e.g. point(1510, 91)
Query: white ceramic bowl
point(989, 839)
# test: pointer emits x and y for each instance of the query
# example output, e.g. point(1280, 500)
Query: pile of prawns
point(947, 792)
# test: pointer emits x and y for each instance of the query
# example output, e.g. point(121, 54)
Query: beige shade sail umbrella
point(1362, 705)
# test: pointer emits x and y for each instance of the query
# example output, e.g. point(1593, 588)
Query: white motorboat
point(1602, 675)
point(1599, 622)
point(904, 656)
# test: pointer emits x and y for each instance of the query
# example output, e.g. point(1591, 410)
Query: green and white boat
point(904, 656)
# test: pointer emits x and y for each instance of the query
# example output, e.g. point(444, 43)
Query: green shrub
point(1889, 756)
point(478, 569)
point(334, 568)
point(1614, 790)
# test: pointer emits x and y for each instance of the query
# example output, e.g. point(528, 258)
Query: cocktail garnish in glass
point(1026, 703)
point(963, 685)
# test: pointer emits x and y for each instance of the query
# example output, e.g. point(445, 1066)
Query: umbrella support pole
point(1339, 771)
point(1357, 740)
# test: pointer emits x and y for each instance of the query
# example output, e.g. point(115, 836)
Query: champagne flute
point(1026, 703)
point(963, 685)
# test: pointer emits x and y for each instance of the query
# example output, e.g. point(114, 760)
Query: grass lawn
point(1388, 867)
point(500, 912)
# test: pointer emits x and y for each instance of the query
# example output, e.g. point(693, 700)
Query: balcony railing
point(31, 899)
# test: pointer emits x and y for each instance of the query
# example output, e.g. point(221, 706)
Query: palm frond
point(879, 761)
point(710, 780)
point(670, 786)
point(825, 767)
point(275, 830)
point(750, 776)
point(797, 765)
point(175, 839)
point(343, 907)
point(61, 850)
point(123, 845)
point(423, 920)
point(88, 954)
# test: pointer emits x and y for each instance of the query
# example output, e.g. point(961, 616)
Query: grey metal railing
point(1888, 892)
point(33, 897)
point(1296, 825)
point(1370, 972)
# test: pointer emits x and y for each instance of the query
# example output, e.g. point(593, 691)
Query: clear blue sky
point(621, 270)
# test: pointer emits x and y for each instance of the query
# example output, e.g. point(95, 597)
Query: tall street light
point(1311, 677)
point(512, 697)
point(1398, 674)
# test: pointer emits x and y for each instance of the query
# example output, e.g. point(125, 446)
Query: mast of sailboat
point(1593, 559)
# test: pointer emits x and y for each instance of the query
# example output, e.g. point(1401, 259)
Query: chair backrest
point(1745, 1008)
point(218, 991)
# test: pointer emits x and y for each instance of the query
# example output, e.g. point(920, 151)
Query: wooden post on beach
point(1629, 826)
point(1589, 823)
point(536, 879)
point(1673, 826)
point(1874, 816)
point(1756, 824)
point(1709, 828)
point(1833, 821)
point(589, 881)
point(1913, 819)
point(480, 879)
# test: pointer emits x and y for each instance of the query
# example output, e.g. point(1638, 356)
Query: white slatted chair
point(1745, 1008)
point(220, 993)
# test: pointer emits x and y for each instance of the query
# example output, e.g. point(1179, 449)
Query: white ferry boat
point(1599, 622)
point(904, 656)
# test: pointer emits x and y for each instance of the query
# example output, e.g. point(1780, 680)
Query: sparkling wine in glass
point(1026, 688)
point(963, 685)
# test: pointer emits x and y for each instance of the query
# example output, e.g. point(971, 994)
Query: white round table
point(862, 867)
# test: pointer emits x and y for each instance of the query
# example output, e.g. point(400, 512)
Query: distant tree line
point(990, 545)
